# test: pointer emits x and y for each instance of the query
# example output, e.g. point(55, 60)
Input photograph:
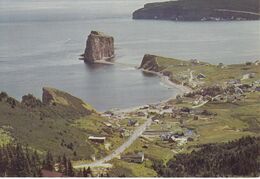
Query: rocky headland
point(200, 10)
point(99, 47)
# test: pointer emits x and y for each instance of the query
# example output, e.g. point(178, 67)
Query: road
point(191, 77)
point(102, 162)
point(202, 104)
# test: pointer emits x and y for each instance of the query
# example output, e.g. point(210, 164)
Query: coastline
point(165, 80)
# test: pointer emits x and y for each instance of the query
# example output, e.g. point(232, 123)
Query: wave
point(166, 85)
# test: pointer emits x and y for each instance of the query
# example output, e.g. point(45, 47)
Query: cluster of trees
point(15, 161)
point(19, 161)
point(236, 158)
point(5, 98)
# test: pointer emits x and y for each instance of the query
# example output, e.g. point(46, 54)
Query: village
point(170, 124)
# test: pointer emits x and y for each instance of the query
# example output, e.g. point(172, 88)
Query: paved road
point(191, 76)
point(202, 104)
point(102, 162)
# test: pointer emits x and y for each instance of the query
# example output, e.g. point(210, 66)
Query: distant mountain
point(200, 10)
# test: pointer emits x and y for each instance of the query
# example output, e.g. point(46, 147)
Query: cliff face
point(201, 10)
point(54, 97)
point(99, 47)
point(149, 63)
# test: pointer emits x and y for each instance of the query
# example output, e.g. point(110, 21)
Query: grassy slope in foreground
point(54, 124)
point(198, 10)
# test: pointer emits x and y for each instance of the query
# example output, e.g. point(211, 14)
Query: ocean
point(41, 40)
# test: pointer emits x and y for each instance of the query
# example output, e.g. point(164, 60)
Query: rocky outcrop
point(54, 97)
point(150, 63)
point(47, 97)
point(99, 47)
point(31, 101)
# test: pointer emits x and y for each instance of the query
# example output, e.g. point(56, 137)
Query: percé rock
point(99, 47)
point(150, 63)
point(201, 10)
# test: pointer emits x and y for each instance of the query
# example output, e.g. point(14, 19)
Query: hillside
point(50, 124)
point(200, 10)
point(236, 158)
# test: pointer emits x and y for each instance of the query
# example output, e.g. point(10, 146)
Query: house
point(97, 139)
point(109, 113)
point(166, 136)
point(135, 158)
point(219, 98)
point(47, 173)
point(157, 121)
point(257, 82)
point(132, 122)
point(220, 65)
point(140, 114)
point(248, 75)
point(238, 90)
point(179, 140)
point(248, 63)
point(145, 107)
point(234, 82)
point(194, 61)
point(107, 124)
point(257, 88)
point(201, 76)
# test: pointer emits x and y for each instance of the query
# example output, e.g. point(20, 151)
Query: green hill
point(48, 124)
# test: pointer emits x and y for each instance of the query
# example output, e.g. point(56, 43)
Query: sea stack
point(99, 47)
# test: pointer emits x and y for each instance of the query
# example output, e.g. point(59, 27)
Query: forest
point(236, 158)
point(19, 161)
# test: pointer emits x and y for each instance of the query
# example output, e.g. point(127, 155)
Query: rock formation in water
point(99, 47)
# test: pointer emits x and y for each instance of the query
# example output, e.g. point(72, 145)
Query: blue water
point(41, 40)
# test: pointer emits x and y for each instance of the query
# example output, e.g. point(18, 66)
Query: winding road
point(102, 162)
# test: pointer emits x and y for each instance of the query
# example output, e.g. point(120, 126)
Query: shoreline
point(164, 79)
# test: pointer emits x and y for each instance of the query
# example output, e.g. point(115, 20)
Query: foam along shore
point(164, 79)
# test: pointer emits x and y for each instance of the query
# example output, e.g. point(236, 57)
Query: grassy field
point(232, 121)
point(122, 168)
point(214, 75)
point(5, 137)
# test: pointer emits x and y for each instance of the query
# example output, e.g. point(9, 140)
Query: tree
point(89, 172)
point(85, 172)
point(70, 169)
point(48, 163)
point(65, 165)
